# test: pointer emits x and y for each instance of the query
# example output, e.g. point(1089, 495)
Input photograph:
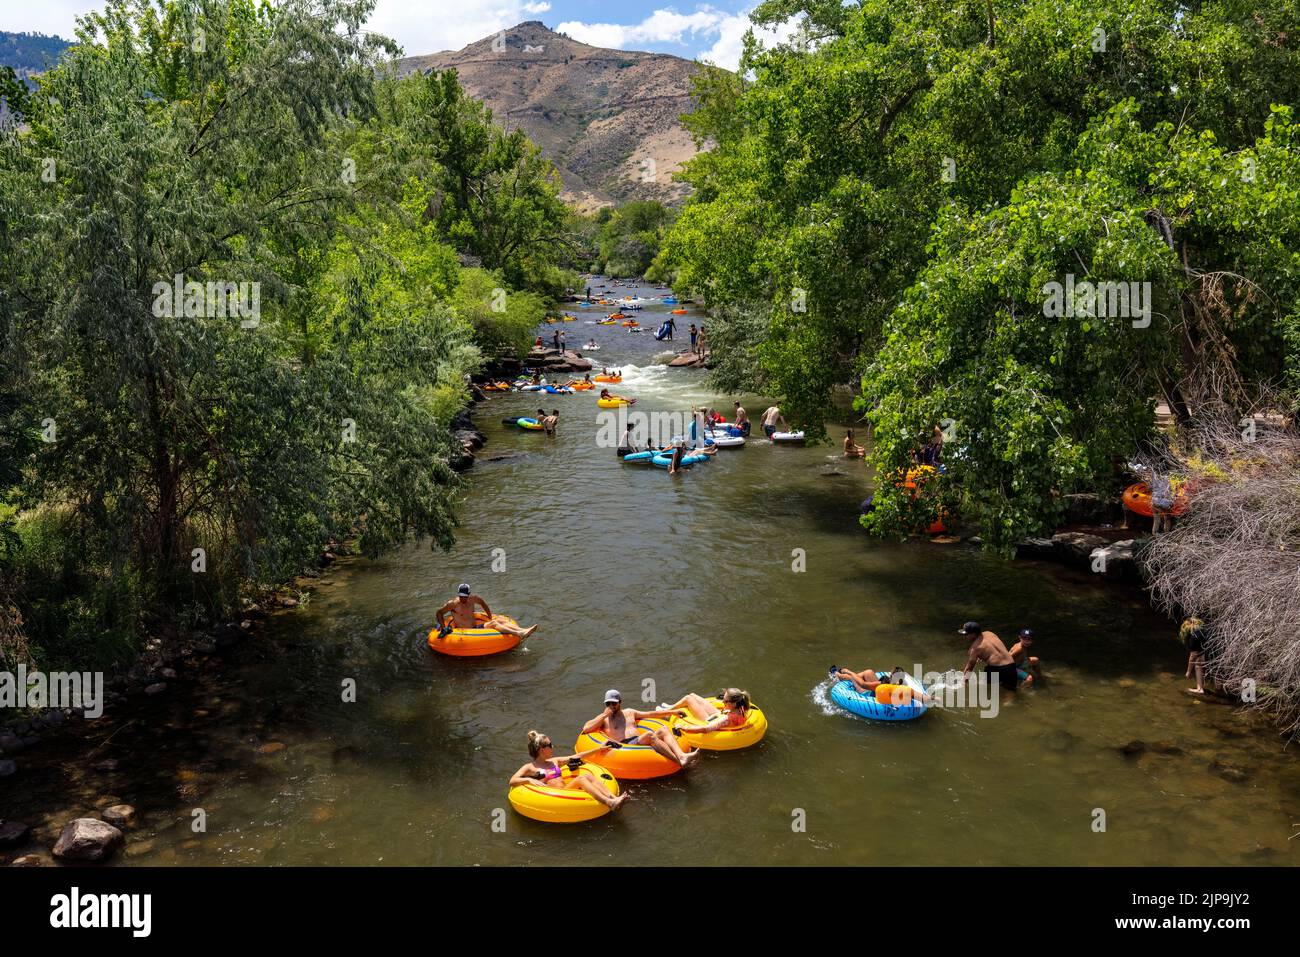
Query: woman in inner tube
point(546, 769)
point(735, 713)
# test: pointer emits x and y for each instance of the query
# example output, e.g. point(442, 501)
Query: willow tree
point(179, 151)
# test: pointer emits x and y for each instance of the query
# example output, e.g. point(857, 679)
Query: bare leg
point(664, 743)
point(597, 789)
point(697, 706)
point(858, 681)
point(506, 628)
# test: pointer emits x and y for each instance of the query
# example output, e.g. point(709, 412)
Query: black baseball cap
point(970, 628)
point(463, 590)
point(1027, 633)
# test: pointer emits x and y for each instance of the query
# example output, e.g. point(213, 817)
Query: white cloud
point(726, 51)
point(662, 26)
point(438, 26)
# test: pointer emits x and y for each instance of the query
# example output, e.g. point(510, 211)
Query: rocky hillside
point(608, 119)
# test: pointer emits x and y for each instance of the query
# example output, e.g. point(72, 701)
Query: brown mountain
point(608, 119)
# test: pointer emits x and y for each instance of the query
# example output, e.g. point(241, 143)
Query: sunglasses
point(544, 744)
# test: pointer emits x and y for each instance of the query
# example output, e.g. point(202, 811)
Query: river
point(687, 582)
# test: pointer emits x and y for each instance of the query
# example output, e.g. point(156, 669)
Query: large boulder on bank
point(87, 839)
point(1036, 548)
point(552, 360)
point(1076, 548)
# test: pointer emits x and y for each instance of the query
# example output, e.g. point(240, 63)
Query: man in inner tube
point(460, 610)
point(619, 725)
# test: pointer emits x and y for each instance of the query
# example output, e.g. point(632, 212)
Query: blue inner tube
point(866, 706)
point(666, 461)
point(640, 456)
point(522, 421)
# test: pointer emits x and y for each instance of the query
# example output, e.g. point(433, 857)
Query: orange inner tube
point(1137, 499)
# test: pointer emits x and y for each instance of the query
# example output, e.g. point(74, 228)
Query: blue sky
point(705, 30)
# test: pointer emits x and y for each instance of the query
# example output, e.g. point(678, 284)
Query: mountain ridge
point(608, 119)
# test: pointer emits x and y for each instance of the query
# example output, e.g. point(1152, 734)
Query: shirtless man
point(620, 725)
point(551, 421)
point(988, 648)
point(460, 610)
point(770, 418)
point(742, 419)
point(1026, 664)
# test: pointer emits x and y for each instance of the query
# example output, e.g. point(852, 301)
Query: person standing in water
point(459, 613)
point(851, 449)
point(1026, 664)
point(742, 418)
point(987, 647)
point(550, 422)
point(770, 419)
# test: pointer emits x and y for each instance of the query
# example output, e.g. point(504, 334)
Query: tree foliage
point(900, 186)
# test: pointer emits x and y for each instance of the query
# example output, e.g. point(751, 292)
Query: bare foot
point(528, 632)
point(618, 802)
point(690, 759)
point(1195, 691)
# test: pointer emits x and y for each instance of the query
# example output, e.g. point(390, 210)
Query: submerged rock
point(13, 833)
point(87, 839)
point(1133, 749)
point(120, 815)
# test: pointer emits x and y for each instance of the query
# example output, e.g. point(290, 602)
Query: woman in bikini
point(734, 713)
point(546, 768)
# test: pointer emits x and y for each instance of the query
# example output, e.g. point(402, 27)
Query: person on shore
point(741, 418)
point(550, 422)
point(987, 647)
point(546, 768)
point(700, 348)
point(619, 724)
point(1026, 663)
point(851, 449)
point(734, 713)
point(770, 418)
point(459, 613)
point(1192, 631)
point(555, 340)
point(932, 453)
point(537, 343)
point(694, 336)
point(1162, 503)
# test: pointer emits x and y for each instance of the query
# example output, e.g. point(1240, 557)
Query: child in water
point(1026, 664)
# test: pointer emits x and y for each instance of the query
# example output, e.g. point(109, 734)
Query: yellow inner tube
point(563, 805)
point(473, 642)
point(724, 739)
point(612, 403)
point(635, 762)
